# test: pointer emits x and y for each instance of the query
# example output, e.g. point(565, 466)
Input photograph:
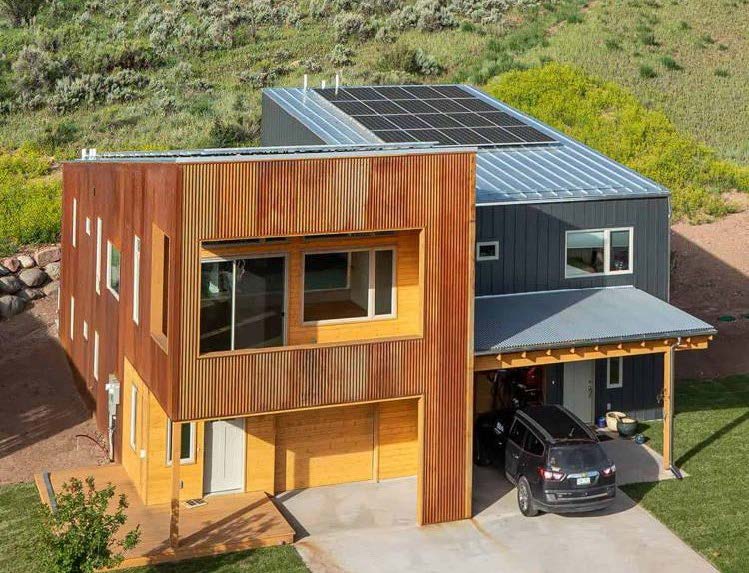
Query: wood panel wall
point(285, 197)
point(129, 198)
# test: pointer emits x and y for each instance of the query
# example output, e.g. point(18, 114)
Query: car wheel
point(525, 499)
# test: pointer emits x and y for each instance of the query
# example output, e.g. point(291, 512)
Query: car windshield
point(577, 457)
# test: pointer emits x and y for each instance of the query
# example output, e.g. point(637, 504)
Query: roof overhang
point(545, 327)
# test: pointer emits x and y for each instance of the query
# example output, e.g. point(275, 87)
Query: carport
point(574, 326)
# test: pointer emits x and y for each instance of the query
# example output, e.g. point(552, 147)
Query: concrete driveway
point(367, 527)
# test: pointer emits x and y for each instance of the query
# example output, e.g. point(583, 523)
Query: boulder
point(11, 305)
point(33, 277)
point(3, 271)
point(53, 270)
point(10, 284)
point(27, 261)
point(12, 264)
point(51, 288)
point(29, 294)
point(47, 255)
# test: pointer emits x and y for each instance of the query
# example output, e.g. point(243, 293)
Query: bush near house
point(610, 119)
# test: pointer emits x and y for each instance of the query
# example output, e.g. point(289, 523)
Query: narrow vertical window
point(134, 418)
point(160, 263)
point(72, 317)
point(98, 255)
point(614, 372)
point(85, 330)
point(96, 355)
point(136, 279)
point(186, 443)
point(113, 269)
point(75, 222)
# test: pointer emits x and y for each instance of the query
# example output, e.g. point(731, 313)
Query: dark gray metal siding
point(641, 394)
point(277, 127)
point(531, 244)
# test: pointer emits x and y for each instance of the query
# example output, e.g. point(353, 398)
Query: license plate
point(583, 481)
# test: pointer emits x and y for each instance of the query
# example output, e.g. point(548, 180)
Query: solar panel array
point(449, 115)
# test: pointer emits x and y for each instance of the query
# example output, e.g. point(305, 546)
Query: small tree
point(79, 536)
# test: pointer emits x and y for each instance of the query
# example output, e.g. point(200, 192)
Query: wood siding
point(397, 439)
point(532, 241)
point(128, 198)
point(432, 192)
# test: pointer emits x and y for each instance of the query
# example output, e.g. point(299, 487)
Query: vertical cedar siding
point(128, 197)
point(433, 192)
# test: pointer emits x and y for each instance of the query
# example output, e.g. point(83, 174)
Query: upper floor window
point(74, 230)
point(160, 267)
point(349, 285)
point(114, 260)
point(487, 251)
point(598, 252)
point(242, 303)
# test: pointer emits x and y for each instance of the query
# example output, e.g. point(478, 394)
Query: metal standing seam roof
point(554, 319)
point(563, 171)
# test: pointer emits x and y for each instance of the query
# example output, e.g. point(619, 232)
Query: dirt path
point(40, 410)
point(710, 278)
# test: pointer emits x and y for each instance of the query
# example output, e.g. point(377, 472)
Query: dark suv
point(556, 463)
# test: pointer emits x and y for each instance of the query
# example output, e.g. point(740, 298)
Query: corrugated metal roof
point(554, 319)
point(564, 171)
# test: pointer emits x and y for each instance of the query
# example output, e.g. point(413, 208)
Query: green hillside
point(687, 57)
point(138, 74)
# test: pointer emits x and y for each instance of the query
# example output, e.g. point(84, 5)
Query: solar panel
point(447, 114)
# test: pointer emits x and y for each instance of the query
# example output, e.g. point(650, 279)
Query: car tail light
point(609, 471)
point(549, 474)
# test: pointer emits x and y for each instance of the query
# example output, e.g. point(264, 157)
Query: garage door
point(323, 447)
point(398, 439)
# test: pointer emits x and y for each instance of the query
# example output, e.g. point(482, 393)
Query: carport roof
point(554, 319)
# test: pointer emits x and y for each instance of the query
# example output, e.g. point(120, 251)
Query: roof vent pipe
point(337, 83)
point(92, 153)
point(84, 153)
point(322, 85)
point(305, 82)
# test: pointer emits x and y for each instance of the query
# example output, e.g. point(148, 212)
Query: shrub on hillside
point(29, 200)
point(234, 133)
point(21, 11)
point(611, 120)
point(410, 60)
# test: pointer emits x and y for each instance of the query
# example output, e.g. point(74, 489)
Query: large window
point(349, 285)
point(598, 252)
point(186, 443)
point(114, 260)
point(242, 303)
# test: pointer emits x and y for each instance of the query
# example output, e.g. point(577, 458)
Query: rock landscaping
point(28, 276)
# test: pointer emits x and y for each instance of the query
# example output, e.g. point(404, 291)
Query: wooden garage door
point(323, 447)
point(398, 439)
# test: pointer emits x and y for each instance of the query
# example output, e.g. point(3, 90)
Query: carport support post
point(668, 408)
point(176, 452)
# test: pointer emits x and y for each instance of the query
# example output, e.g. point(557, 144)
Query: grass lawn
point(686, 58)
point(709, 509)
point(19, 504)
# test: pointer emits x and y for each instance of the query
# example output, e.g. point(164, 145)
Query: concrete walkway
point(369, 527)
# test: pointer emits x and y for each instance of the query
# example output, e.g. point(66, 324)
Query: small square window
point(487, 251)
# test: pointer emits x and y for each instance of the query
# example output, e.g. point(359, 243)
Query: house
point(339, 304)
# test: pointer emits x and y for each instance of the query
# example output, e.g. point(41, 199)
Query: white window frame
point(96, 355)
point(85, 330)
point(98, 254)
point(88, 226)
point(169, 435)
point(72, 318)
point(371, 316)
point(609, 384)
point(494, 257)
point(606, 252)
point(75, 223)
point(111, 246)
point(136, 278)
point(134, 418)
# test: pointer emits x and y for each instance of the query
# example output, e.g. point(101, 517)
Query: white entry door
point(224, 456)
point(579, 380)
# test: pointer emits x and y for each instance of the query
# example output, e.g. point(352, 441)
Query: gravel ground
point(41, 412)
point(710, 278)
